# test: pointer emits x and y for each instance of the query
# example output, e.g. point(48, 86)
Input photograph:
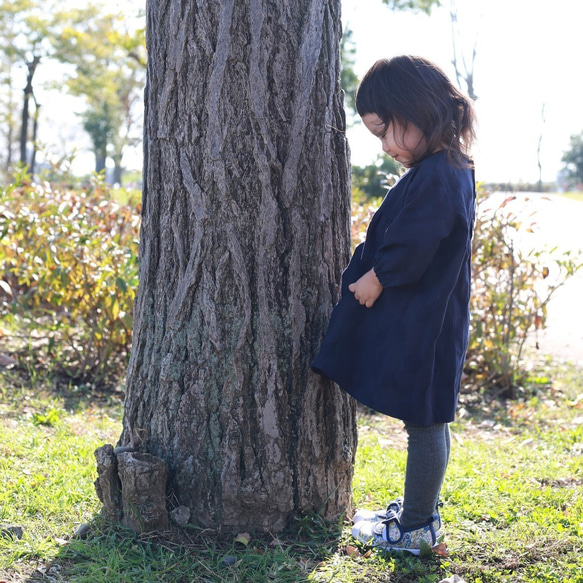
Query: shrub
point(511, 289)
point(360, 218)
point(68, 273)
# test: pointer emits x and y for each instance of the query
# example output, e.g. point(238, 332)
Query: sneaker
point(390, 535)
point(394, 507)
point(376, 515)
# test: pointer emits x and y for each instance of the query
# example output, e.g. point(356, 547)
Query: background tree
point(349, 77)
point(415, 5)
point(373, 180)
point(538, 150)
point(573, 159)
point(108, 52)
point(26, 27)
point(8, 104)
point(109, 57)
point(97, 122)
point(463, 63)
point(29, 30)
point(245, 232)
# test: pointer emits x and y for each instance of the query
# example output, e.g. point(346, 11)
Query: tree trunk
point(35, 118)
point(100, 162)
point(117, 169)
point(31, 65)
point(10, 122)
point(245, 231)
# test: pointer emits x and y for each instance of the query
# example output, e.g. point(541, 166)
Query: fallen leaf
point(244, 538)
point(7, 289)
point(440, 549)
point(352, 551)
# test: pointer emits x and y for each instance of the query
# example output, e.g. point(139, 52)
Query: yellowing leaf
point(115, 309)
point(440, 549)
point(351, 551)
point(244, 538)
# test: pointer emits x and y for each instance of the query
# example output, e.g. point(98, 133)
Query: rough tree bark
point(245, 231)
point(28, 92)
point(35, 119)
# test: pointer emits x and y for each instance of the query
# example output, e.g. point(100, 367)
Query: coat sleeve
point(413, 237)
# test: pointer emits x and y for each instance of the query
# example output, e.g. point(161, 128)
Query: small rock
point(82, 531)
point(180, 515)
point(229, 560)
point(7, 361)
point(11, 530)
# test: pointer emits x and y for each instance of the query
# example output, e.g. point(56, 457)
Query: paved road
point(557, 221)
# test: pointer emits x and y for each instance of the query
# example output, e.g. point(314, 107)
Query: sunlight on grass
point(512, 504)
point(46, 472)
point(573, 195)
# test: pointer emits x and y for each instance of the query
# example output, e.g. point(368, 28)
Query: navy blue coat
point(404, 356)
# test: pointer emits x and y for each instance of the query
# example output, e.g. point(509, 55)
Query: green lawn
point(513, 500)
point(574, 195)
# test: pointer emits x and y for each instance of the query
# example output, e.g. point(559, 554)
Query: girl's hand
point(367, 289)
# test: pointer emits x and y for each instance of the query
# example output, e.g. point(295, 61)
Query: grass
point(513, 501)
point(575, 195)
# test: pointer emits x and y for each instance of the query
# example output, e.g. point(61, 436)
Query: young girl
point(398, 337)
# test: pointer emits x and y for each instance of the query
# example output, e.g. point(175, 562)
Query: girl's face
point(405, 147)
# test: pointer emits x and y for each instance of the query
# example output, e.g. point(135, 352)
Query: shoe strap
point(392, 519)
point(394, 506)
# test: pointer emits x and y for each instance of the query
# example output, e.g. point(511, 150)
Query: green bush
point(511, 289)
point(69, 272)
point(68, 276)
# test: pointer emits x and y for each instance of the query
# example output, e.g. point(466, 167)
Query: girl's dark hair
point(409, 89)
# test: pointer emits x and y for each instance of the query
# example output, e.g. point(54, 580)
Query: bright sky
point(528, 54)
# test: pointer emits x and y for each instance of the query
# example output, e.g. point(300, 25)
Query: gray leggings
point(427, 457)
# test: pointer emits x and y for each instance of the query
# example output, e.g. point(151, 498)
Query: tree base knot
point(132, 488)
